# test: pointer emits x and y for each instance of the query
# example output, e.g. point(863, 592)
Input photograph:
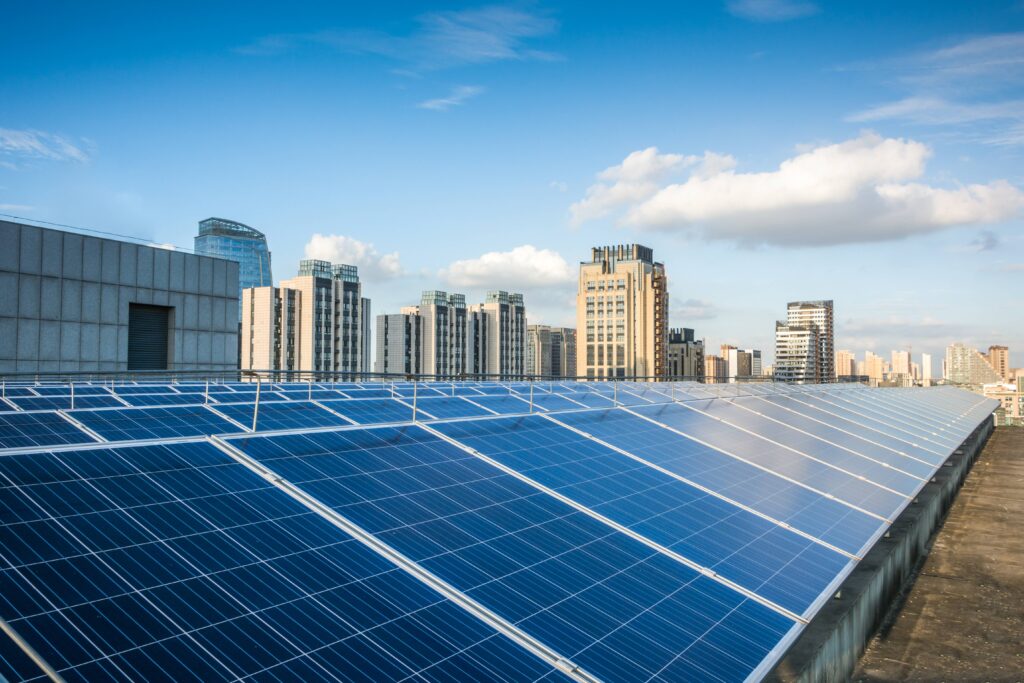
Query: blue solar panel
point(25, 430)
point(368, 393)
point(554, 402)
point(16, 390)
point(282, 415)
point(155, 422)
point(761, 556)
point(448, 407)
point(504, 404)
point(65, 390)
point(849, 461)
point(763, 453)
point(372, 410)
point(64, 402)
point(165, 399)
point(314, 395)
point(174, 562)
point(884, 411)
point(613, 605)
point(767, 493)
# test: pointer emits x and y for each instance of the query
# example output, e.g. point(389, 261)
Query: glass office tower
point(232, 240)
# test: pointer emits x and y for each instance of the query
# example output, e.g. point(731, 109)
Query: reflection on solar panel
point(607, 601)
point(177, 563)
point(157, 422)
point(282, 415)
point(372, 410)
point(64, 402)
point(670, 538)
point(164, 399)
point(24, 430)
point(65, 389)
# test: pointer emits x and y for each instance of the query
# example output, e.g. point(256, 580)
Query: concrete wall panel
point(111, 262)
point(129, 257)
point(30, 259)
point(8, 338)
point(144, 267)
point(8, 293)
point(90, 334)
point(70, 299)
point(90, 302)
point(10, 238)
point(52, 253)
point(49, 298)
point(28, 297)
point(28, 339)
point(92, 259)
point(108, 343)
point(108, 304)
point(161, 269)
point(72, 256)
point(49, 340)
point(70, 341)
point(206, 276)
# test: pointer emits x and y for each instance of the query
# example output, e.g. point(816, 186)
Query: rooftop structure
point(227, 239)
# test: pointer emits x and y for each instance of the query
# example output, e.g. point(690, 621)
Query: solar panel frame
point(28, 429)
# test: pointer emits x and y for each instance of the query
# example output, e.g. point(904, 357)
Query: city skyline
point(383, 153)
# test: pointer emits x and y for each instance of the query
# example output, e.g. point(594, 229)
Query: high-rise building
point(622, 314)
point(999, 358)
point(816, 317)
point(550, 351)
point(685, 355)
point(796, 353)
point(926, 369)
point(875, 368)
point(741, 363)
point(314, 322)
point(399, 348)
point(499, 348)
point(235, 241)
point(450, 339)
point(965, 365)
point(846, 365)
point(714, 370)
point(901, 363)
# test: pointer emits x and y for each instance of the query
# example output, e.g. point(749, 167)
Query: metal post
point(615, 386)
point(414, 400)
point(256, 408)
point(206, 398)
point(309, 396)
point(531, 398)
point(72, 395)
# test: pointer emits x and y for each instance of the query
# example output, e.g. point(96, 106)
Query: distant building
point(550, 351)
point(715, 370)
point(846, 364)
point(999, 358)
point(875, 368)
point(1011, 402)
point(685, 355)
point(965, 365)
point(741, 363)
point(399, 346)
point(222, 238)
point(77, 303)
point(804, 344)
point(622, 314)
point(926, 369)
point(444, 337)
point(901, 363)
point(316, 322)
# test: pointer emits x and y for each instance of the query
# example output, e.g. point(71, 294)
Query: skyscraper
point(622, 314)
point(901, 362)
point(926, 369)
point(499, 347)
point(235, 241)
point(399, 350)
point(550, 351)
point(805, 343)
point(313, 322)
point(685, 354)
point(965, 365)
point(999, 358)
point(846, 365)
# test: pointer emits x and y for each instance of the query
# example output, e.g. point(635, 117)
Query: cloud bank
point(342, 249)
point(37, 144)
point(860, 190)
point(523, 267)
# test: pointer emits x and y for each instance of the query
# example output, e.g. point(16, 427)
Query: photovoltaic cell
point(759, 555)
point(448, 407)
point(165, 399)
point(282, 415)
point(175, 563)
point(25, 430)
point(372, 410)
point(613, 605)
point(64, 402)
point(810, 512)
point(503, 404)
point(156, 422)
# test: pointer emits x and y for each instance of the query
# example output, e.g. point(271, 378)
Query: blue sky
point(768, 150)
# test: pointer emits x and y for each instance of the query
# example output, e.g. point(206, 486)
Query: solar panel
point(15, 390)
point(65, 390)
point(155, 422)
point(504, 404)
point(25, 430)
point(64, 402)
point(372, 410)
point(174, 562)
point(764, 557)
point(448, 407)
point(808, 511)
point(368, 393)
point(760, 452)
point(282, 415)
point(312, 395)
point(164, 399)
point(613, 605)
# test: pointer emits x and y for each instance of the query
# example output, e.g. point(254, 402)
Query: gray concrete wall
point(64, 302)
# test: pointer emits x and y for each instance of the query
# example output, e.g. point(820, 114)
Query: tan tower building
point(999, 358)
point(846, 364)
point(622, 314)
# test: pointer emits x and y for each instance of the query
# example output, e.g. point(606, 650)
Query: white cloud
point(637, 178)
point(40, 145)
point(559, 185)
point(521, 268)
point(342, 249)
point(771, 10)
point(854, 191)
point(692, 309)
point(456, 97)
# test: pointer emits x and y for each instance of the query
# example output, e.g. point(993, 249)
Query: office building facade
point(314, 322)
point(685, 355)
point(715, 370)
point(78, 303)
point(846, 364)
point(805, 343)
point(399, 344)
point(234, 241)
point(499, 346)
point(550, 351)
point(622, 314)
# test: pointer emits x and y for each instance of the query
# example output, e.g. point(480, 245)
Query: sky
point(767, 150)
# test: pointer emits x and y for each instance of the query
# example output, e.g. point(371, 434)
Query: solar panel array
point(444, 531)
